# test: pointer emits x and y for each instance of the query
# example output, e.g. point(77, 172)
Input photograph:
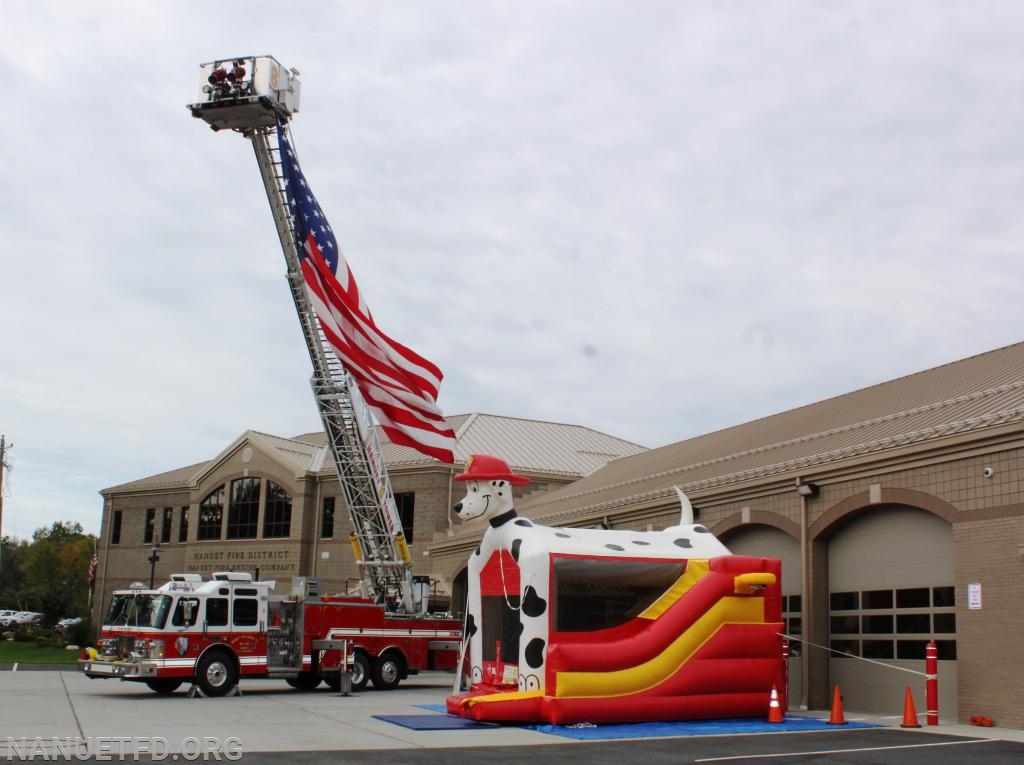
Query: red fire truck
point(215, 632)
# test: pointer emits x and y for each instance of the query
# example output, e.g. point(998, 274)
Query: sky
point(652, 218)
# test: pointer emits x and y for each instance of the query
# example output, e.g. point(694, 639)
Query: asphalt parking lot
point(45, 715)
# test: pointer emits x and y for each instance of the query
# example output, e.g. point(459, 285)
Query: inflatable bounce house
point(569, 625)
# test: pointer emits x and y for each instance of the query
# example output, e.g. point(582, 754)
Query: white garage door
point(768, 542)
point(890, 592)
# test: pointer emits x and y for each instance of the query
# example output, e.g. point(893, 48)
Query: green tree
point(12, 552)
point(53, 571)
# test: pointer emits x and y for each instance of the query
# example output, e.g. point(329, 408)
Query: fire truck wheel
point(387, 672)
point(360, 672)
point(216, 673)
point(164, 685)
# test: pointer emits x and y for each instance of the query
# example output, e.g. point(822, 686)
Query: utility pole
point(3, 467)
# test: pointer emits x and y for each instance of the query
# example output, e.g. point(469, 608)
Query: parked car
point(22, 617)
point(67, 623)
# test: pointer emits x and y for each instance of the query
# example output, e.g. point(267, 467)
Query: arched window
point(211, 514)
point(244, 512)
point(277, 520)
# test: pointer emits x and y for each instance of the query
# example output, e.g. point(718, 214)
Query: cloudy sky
point(655, 219)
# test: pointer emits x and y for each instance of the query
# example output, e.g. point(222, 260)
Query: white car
point(21, 617)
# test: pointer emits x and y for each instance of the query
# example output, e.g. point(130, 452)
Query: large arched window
point(211, 514)
point(277, 519)
point(244, 511)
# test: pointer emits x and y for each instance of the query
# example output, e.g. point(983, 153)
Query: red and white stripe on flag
point(93, 564)
point(399, 386)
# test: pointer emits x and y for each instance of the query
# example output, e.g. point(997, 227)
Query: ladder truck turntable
point(212, 633)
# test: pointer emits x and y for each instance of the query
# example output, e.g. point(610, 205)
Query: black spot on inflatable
point(619, 548)
point(516, 544)
point(470, 626)
point(535, 653)
point(525, 523)
point(477, 551)
point(563, 535)
point(683, 543)
point(533, 604)
point(701, 530)
point(640, 542)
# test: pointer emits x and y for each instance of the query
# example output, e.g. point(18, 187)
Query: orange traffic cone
point(774, 708)
point(909, 712)
point(837, 718)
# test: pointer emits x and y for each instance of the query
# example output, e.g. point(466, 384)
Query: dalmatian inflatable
point(513, 616)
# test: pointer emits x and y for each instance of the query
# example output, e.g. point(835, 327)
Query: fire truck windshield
point(138, 610)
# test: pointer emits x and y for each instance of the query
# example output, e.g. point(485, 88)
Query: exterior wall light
point(807, 489)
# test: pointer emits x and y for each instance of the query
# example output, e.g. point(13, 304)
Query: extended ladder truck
point(215, 632)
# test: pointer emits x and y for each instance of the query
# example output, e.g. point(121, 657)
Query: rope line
point(853, 656)
point(504, 589)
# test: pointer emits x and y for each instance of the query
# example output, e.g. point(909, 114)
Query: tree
point(50, 573)
point(12, 554)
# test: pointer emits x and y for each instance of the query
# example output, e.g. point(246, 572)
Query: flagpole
point(93, 565)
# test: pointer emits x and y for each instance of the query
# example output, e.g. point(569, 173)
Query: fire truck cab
point(208, 632)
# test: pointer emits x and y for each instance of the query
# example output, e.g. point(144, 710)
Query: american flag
point(399, 386)
point(94, 561)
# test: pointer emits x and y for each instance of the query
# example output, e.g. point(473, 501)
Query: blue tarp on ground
point(433, 722)
point(732, 726)
point(725, 727)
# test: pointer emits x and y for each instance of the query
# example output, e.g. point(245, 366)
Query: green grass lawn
point(30, 653)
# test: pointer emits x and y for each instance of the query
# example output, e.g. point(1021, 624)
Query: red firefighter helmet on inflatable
point(484, 467)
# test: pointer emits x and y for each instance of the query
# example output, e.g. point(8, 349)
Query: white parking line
point(839, 751)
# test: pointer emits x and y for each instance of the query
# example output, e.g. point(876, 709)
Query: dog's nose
point(458, 508)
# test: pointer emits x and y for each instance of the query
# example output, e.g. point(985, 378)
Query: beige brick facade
point(944, 444)
point(305, 551)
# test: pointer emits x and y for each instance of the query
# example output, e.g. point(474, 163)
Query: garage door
point(890, 592)
point(768, 542)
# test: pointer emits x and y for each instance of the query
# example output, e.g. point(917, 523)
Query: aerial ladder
point(249, 95)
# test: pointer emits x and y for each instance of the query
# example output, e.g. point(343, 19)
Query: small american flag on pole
point(399, 386)
point(94, 562)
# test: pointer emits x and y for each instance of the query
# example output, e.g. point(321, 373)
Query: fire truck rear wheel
point(387, 672)
point(217, 674)
point(360, 671)
point(164, 685)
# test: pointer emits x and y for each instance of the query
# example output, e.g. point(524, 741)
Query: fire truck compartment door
point(314, 618)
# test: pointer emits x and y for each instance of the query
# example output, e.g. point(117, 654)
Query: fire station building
point(896, 511)
point(273, 506)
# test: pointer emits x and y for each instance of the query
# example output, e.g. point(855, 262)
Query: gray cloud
point(651, 218)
